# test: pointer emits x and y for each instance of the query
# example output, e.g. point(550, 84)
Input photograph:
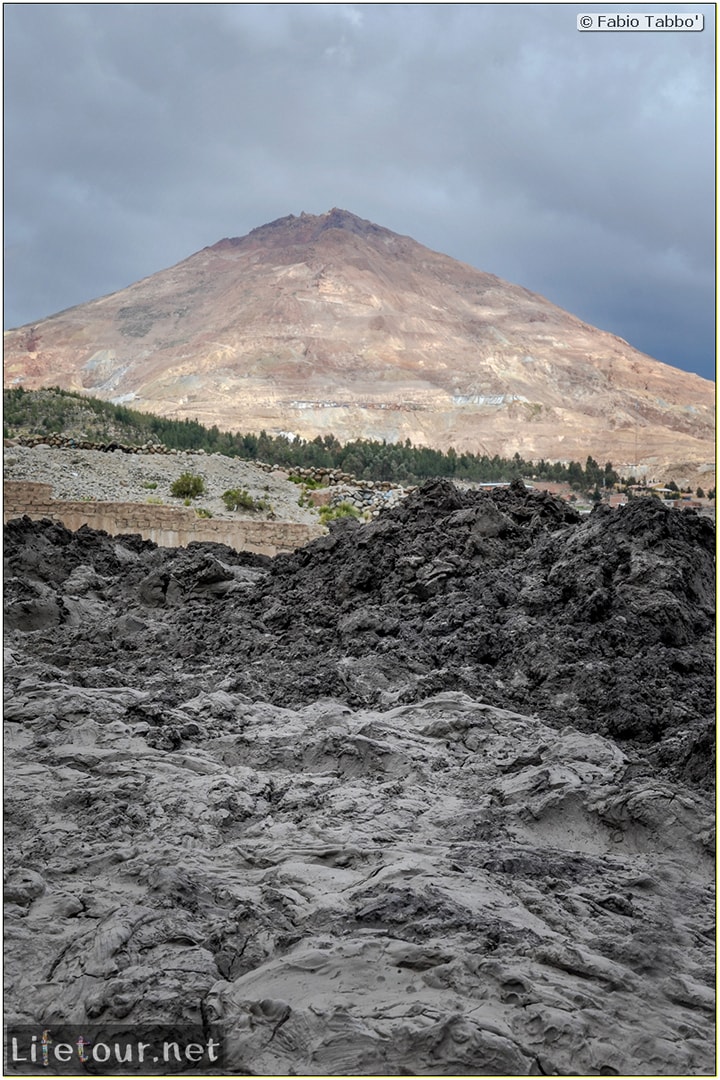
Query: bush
point(187, 486)
point(150, 485)
point(202, 512)
point(240, 499)
point(332, 513)
point(307, 482)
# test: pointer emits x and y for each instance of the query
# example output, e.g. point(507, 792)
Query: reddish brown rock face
point(318, 324)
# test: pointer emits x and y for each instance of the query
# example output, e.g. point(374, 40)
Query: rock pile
point(605, 622)
point(332, 477)
point(69, 442)
point(369, 501)
point(428, 796)
point(368, 497)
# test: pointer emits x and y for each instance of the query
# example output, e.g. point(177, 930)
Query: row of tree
point(402, 463)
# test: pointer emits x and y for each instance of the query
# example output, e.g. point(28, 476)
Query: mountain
point(329, 323)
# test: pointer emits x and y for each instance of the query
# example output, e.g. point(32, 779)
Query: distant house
point(554, 487)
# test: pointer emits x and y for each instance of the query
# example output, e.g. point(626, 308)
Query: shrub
point(150, 485)
point(332, 513)
point(187, 486)
point(308, 482)
point(203, 512)
point(240, 499)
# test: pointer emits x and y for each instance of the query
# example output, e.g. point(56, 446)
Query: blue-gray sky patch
point(580, 165)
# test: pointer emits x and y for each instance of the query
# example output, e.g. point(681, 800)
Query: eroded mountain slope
point(328, 323)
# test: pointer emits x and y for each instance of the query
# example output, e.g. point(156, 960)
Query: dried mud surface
point(431, 795)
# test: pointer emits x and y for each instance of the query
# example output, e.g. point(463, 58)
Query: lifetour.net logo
point(72, 1050)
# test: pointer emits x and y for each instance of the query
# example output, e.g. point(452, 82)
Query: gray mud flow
point(429, 796)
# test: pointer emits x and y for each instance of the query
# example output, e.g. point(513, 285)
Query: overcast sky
point(580, 165)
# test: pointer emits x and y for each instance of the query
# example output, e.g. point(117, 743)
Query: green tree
point(593, 473)
point(576, 476)
point(451, 461)
point(611, 477)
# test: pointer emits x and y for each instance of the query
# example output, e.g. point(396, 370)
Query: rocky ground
point(429, 796)
point(121, 477)
point(117, 476)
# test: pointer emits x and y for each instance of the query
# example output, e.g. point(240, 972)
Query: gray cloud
point(578, 165)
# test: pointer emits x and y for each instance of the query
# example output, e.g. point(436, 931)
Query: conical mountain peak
point(330, 323)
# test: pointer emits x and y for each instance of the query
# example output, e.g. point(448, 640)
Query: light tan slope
point(333, 324)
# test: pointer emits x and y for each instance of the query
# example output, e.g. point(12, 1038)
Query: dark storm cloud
point(579, 165)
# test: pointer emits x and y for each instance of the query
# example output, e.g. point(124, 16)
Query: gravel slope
point(120, 477)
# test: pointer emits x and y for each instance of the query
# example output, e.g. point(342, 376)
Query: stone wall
point(167, 526)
